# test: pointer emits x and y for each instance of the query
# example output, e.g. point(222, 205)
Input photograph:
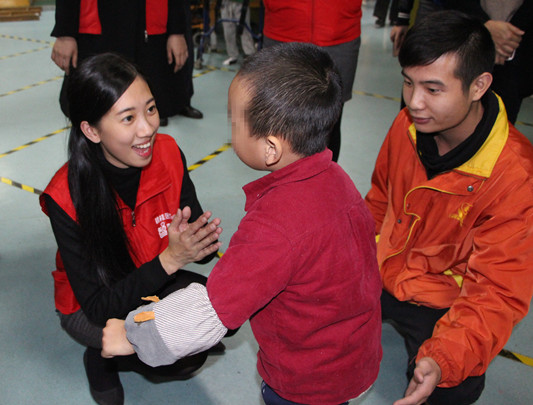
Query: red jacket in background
point(320, 22)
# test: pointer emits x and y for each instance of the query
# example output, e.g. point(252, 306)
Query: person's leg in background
point(380, 12)
point(345, 57)
point(230, 10)
point(188, 110)
point(247, 41)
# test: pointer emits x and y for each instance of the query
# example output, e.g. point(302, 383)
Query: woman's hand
point(189, 242)
point(114, 341)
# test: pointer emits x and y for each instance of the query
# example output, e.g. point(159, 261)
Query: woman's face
point(127, 131)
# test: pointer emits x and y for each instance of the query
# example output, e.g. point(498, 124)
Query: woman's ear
point(273, 150)
point(90, 132)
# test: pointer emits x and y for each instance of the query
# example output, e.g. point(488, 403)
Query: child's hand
point(114, 341)
point(189, 242)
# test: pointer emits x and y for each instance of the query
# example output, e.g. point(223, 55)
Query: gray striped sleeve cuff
point(185, 323)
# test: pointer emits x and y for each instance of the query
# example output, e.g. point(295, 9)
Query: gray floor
point(39, 364)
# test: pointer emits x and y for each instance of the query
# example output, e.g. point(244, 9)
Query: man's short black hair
point(450, 32)
point(295, 93)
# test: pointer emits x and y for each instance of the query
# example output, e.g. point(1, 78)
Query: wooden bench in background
point(18, 10)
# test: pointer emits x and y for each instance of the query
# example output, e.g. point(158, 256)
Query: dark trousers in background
point(382, 7)
point(415, 324)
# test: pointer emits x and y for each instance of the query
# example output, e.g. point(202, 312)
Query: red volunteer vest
point(156, 17)
point(158, 198)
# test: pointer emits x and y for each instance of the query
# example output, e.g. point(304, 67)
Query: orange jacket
point(462, 240)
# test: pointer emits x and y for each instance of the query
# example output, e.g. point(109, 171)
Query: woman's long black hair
point(93, 88)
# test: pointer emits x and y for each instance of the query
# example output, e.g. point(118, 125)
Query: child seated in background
point(302, 264)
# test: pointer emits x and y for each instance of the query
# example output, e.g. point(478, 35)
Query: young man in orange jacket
point(452, 198)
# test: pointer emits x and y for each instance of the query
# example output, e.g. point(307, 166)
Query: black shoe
point(104, 382)
point(191, 112)
point(163, 122)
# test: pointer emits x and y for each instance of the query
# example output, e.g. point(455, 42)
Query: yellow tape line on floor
point(24, 52)
point(39, 41)
point(196, 165)
point(34, 141)
point(528, 361)
point(33, 190)
point(29, 86)
point(21, 186)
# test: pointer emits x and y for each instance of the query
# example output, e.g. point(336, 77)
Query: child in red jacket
point(302, 265)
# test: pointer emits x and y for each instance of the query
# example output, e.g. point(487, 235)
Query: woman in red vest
point(119, 209)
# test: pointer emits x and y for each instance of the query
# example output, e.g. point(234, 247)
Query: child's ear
point(90, 132)
point(273, 150)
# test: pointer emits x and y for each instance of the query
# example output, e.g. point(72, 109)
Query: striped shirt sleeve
point(184, 323)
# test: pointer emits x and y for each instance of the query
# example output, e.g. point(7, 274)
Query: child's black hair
point(295, 93)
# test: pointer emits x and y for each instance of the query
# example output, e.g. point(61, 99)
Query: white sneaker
point(229, 61)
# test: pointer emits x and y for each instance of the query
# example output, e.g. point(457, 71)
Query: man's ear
point(273, 150)
point(90, 132)
point(480, 85)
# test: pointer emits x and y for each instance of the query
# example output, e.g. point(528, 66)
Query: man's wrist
point(402, 19)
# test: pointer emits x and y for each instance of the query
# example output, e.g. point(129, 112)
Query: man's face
point(436, 99)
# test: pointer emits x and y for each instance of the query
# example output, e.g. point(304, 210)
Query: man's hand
point(506, 38)
point(114, 341)
point(65, 53)
point(177, 51)
point(189, 242)
point(426, 377)
point(397, 35)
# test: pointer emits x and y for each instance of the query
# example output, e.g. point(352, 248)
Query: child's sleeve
point(182, 324)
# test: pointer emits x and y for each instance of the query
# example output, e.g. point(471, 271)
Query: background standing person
point(151, 34)
point(333, 25)
point(112, 206)
point(232, 10)
point(381, 9)
point(511, 27)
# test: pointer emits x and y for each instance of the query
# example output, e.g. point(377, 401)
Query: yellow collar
point(483, 162)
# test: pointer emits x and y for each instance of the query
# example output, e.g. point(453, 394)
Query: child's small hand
point(189, 242)
point(114, 340)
